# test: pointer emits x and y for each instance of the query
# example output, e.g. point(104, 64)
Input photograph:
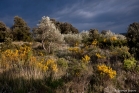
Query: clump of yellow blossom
point(74, 49)
point(86, 59)
point(50, 64)
point(94, 42)
point(103, 69)
point(99, 56)
point(11, 57)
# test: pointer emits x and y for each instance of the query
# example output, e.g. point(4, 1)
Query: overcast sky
point(114, 15)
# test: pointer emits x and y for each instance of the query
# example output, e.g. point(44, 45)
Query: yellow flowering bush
point(24, 57)
point(12, 57)
point(86, 59)
point(50, 64)
point(94, 42)
point(103, 69)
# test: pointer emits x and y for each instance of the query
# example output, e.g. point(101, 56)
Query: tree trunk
point(43, 45)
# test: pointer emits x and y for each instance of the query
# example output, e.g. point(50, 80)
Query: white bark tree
point(47, 32)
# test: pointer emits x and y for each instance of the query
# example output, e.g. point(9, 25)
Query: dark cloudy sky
point(114, 15)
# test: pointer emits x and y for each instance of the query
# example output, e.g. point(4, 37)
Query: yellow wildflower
point(86, 59)
point(94, 42)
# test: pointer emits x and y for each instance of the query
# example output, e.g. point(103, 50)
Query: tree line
point(20, 31)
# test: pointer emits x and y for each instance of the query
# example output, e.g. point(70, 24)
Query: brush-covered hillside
point(55, 58)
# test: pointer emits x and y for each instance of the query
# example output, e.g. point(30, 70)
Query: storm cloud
point(114, 15)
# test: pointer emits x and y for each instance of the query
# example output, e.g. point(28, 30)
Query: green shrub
point(62, 62)
point(7, 44)
point(72, 39)
point(129, 63)
point(20, 30)
point(121, 52)
point(94, 34)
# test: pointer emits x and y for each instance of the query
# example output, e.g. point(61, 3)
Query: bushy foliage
point(84, 34)
point(20, 30)
point(87, 62)
point(109, 34)
point(47, 32)
point(65, 27)
point(72, 39)
point(108, 39)
point(121, 52)
point(133, 39)
point(4, 32)
point(7, 44)
point(130, 63)
point(93, 34)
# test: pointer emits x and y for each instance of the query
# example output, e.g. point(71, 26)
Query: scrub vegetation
point(56, 58)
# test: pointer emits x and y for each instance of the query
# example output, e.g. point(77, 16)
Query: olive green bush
point(133, 39)
point(20, 30)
